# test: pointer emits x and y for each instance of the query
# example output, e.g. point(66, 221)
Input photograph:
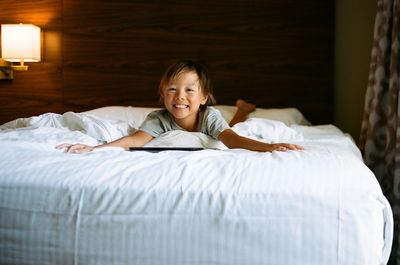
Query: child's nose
point(180, 94)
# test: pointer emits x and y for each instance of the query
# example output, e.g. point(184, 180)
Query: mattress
point(321, 205)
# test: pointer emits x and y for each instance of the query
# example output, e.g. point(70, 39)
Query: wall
point(353, 42)
point(98, 52)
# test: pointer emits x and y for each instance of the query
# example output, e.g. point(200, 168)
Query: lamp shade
point(20, 42)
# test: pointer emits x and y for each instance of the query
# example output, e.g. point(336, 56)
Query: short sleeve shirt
point(210, 123)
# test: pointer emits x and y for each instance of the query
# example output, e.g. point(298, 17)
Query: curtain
point(380, 129)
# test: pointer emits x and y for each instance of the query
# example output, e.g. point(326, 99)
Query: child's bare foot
point(245, 107)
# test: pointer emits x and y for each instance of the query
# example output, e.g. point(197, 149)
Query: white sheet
point(317, 206)
point(136, 115)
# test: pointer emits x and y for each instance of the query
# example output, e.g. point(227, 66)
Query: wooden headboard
point(274, 53)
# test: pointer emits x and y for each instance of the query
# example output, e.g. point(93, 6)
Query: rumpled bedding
point(91, 130)
point(318, 206)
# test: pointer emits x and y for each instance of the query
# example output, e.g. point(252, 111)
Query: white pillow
point(136, 115)
point(288, 116)
point(179, 138)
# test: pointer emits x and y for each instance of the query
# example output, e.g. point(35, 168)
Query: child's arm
point(138, 139)
point(232, 140)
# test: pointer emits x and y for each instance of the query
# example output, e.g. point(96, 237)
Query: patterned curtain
point(380, 130)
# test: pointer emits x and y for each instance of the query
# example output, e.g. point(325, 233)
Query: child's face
point(183, 97)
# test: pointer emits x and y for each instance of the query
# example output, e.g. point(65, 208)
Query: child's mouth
point(180, 106)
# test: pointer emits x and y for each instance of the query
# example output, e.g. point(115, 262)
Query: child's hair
point(179, 67)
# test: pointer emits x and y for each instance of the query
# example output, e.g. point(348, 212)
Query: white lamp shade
point(20, 42)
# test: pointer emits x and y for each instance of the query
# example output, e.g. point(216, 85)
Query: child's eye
point(171, 89)
point(190, 90)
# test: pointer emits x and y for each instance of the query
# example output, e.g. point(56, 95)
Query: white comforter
point(317, 206)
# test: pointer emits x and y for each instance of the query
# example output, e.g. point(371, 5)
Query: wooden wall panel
point(273, 53)
point(39, 89)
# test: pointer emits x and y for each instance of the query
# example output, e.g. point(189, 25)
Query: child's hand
point(75, 148)
point(283, 147)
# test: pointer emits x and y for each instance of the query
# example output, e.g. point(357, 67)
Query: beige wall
point(353, 40)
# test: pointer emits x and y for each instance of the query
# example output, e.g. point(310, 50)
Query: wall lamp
point(19, 43)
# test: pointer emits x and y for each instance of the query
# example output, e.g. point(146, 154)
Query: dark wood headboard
point(274, 53)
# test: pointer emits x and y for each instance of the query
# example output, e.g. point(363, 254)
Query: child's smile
point(179, 110)
point(181, 106)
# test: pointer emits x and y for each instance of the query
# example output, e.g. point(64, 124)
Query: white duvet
point(93, 130)
point(218, 206)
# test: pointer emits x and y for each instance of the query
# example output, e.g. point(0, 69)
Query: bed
point(214, 206)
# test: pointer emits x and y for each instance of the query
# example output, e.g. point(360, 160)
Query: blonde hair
point(179, 67)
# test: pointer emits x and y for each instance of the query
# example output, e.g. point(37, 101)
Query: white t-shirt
point(210, 123)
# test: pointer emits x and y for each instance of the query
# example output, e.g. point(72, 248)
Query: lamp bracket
point(19, 67)
point(6, 70)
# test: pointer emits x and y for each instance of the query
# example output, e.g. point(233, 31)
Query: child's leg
point(243, 109)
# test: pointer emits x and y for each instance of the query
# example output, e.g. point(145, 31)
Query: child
point(186, 93)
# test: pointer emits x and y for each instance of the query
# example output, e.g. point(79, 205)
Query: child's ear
point(204, 100)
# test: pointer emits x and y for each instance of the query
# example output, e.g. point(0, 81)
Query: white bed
point(216, 206)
